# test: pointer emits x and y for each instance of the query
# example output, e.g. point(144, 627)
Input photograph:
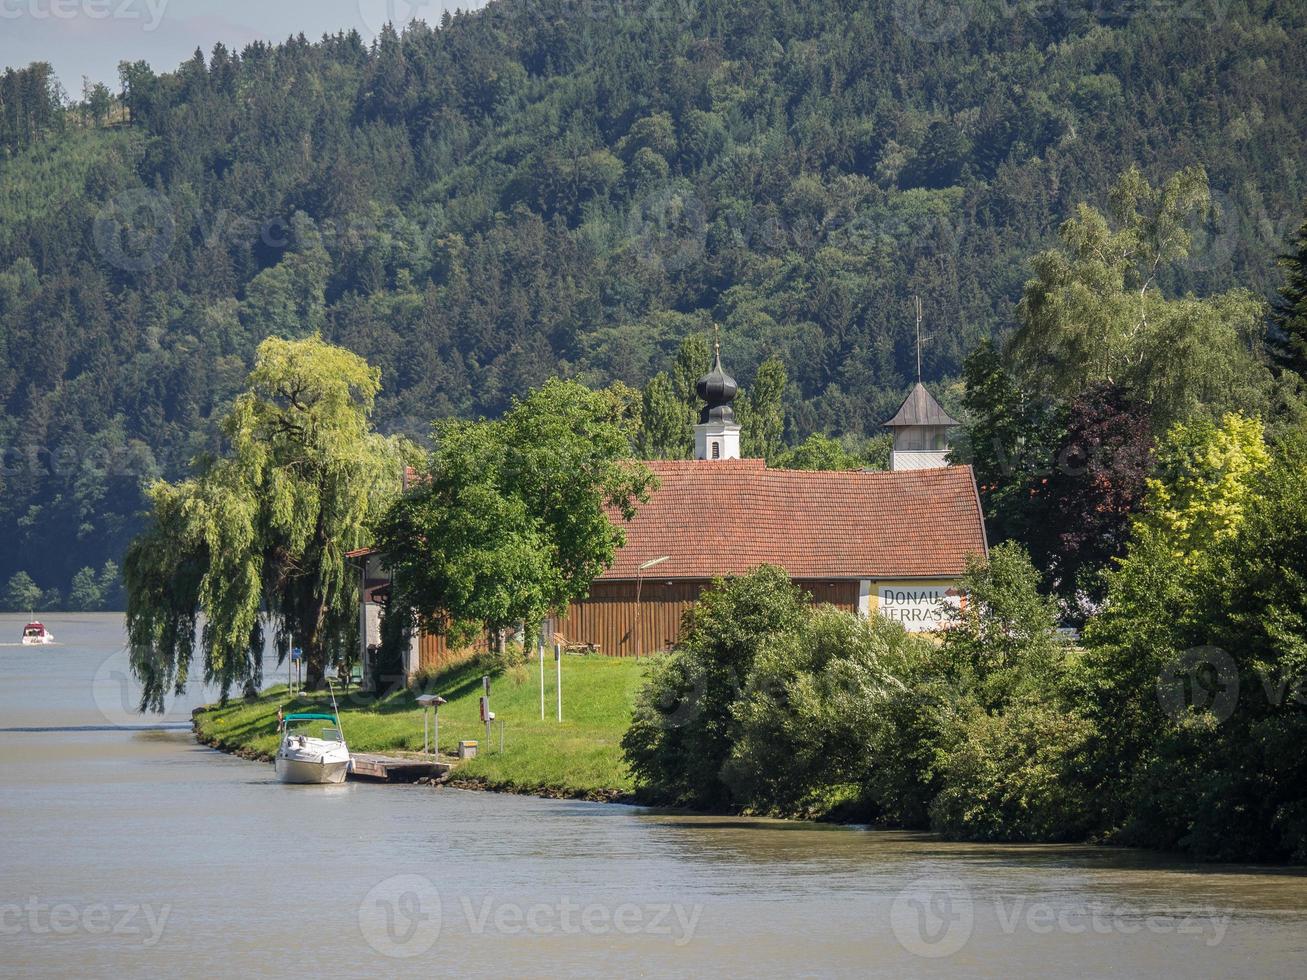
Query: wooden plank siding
point(608, 618)
point(434, 652)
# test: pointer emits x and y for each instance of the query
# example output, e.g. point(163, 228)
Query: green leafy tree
point(85, 594)
point(110, 584)
point(693, 359)
point(1011, 438)
point(1003, 639)
point(22, 594)
point(1011, 768)
point(1095, 313)
point(664, 432)
point(259, 534)
point(1192, 676)
point(1204, 481)
point(513, 520)
point(1010, 776)
point(818, 452)
point(763, 422)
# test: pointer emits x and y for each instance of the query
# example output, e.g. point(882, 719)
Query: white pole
point(558, 660)
point(540, 655)
point(426, 745)
point(435, 724)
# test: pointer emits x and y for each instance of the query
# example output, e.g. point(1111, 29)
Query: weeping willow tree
point(255, 541)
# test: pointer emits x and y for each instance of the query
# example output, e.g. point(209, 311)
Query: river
point(129, 852)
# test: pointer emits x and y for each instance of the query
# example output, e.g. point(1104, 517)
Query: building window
point(716, 450)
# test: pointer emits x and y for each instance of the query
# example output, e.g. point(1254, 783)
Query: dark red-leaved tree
point(1097, 482)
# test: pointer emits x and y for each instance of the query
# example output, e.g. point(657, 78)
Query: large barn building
point(892, 543)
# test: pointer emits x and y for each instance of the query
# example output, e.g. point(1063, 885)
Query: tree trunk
point(315, 657)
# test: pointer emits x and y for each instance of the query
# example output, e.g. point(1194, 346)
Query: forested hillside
point(573, 186)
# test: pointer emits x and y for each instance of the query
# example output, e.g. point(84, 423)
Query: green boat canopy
point(290, 718)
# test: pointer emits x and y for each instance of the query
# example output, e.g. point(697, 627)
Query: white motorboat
point(35, 634)
point(302, 758)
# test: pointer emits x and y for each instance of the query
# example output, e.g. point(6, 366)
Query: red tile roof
point(727, 517)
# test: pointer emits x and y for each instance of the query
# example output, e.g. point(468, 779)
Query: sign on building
point(920, 608)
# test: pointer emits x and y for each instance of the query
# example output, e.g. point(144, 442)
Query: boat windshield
point(329, 734)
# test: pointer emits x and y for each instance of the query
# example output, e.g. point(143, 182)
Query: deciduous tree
point(513, 519)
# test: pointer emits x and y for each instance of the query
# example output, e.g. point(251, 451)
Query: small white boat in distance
point(35, 634)
point(302, 758)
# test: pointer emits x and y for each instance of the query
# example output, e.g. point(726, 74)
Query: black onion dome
point(718, 390)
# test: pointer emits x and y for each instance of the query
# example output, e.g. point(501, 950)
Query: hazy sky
point(90, 37)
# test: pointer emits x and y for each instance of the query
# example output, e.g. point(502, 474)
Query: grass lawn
point(580, 757)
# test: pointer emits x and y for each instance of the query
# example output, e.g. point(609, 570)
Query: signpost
point(558, 663)
point(486, 714)
point(540, 656)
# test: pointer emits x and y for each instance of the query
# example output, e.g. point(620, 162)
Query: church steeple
point(920, 430)
point(717, 436)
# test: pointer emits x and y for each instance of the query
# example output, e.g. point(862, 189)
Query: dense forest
point(575, 186)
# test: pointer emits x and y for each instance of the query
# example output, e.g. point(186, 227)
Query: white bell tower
point(717, 436)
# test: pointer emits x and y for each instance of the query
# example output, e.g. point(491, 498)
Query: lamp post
point(639, 580)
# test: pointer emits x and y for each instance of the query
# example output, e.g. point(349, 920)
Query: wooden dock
point(389, 769)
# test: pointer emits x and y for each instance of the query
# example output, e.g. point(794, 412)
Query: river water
point(137, 852)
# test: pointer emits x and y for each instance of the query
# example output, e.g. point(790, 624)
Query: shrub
point(819, 717)
point(684, 727)
point(1014, 776)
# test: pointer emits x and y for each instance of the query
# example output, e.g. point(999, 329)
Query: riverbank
point(579, 758)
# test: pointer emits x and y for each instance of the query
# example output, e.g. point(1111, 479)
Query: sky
point(89, 37)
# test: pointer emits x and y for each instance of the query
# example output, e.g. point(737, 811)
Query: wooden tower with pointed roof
point(920, 429)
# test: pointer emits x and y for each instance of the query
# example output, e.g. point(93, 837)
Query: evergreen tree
point(1289, 314)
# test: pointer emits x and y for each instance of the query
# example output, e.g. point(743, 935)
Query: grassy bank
point(581, 757)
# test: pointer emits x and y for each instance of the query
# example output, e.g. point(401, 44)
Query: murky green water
point(132, 853)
